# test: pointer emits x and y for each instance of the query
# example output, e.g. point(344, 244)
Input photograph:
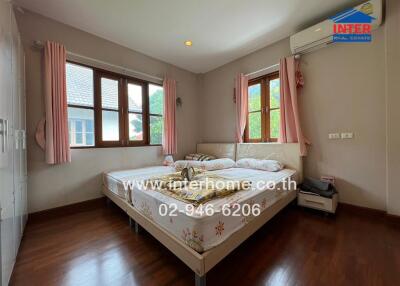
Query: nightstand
point(317, 202)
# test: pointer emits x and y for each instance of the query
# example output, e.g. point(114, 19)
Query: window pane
point(89, 126)
point(134, 97)
point(135, 127)
point(156, 99)
point(89, 132)
point(255, 97)
point(275, 118)
point(110, 125)
point(76, 118)
point(255, 125)
point(156, 129)
point(78, 126)
point(109, 93)
point(274, 95)
point(89, 138)
point(79, 85)
point(69, 131)
point(78, 139)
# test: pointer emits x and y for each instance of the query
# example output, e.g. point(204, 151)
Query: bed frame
point(201, 263)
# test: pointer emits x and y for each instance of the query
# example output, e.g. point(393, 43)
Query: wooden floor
point(297, 247)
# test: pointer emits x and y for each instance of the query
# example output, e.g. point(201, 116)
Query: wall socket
point(347, 135)
point(334, 135)
point(343, 135)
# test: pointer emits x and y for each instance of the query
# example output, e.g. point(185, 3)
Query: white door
point(24, 167)
point(7, 250)
point(16, 128)
point(23, 158)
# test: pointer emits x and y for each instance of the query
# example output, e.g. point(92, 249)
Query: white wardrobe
point(13, 168)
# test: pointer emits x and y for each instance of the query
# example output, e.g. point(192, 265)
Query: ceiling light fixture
point(188, 43)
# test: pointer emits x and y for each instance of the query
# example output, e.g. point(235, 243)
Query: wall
point(344, 91)
point(217, 96)
point(53, 186)
point(393, 105)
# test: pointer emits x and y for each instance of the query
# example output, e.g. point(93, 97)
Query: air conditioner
point(321, 35)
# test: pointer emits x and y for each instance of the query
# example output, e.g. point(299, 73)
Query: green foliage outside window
point(274, 94)
point(255, 105)
point(156, 101)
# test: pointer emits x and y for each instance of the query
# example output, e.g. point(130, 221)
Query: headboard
point(287, 153)
point(219, 150)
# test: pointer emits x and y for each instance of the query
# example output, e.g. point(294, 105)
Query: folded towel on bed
point(202, 188)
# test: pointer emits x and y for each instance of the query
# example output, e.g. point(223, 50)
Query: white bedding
point(200, 231)
point(115, 180)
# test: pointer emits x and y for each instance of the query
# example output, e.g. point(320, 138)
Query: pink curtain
point(56, 126)
point(291, 82)
point(241, 94)
point(170, 138)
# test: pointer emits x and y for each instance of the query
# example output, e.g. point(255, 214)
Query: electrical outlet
point(347, 135)
point(334, 136)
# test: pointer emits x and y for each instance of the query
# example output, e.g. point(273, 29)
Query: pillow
point(199, 157)
point(168, 160)
point(266, 165)
point(217, 164)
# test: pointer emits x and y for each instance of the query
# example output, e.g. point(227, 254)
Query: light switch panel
point(334, 136)
point(347, 135)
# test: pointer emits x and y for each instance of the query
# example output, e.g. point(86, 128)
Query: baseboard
point(362, 210)
point(67, 210)
point(393, 218)
point(370, 212)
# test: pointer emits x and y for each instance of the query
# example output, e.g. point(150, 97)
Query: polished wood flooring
point(297, 247)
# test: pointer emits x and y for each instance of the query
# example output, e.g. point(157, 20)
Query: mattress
point(203, 230)
point(116, 181)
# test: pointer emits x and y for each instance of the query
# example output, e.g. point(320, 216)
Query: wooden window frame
point(123, 109)
point(266, 109)
point(152, 114)
point(85, 107)
point(144, 113)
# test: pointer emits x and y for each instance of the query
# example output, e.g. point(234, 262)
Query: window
point(156, 101)
point(111, 110)
point(263, 109)
point(80, 98)
point(135, 112)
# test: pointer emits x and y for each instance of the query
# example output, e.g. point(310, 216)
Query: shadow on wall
point(89, 183)
point(353, 194)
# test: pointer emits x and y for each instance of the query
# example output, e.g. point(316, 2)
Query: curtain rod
point(263, 69)
point(297, 56)
point(39, 44)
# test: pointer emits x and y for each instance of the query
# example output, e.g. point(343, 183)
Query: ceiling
point(221, 30)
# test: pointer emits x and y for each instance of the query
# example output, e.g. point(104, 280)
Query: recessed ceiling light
point(188, 43)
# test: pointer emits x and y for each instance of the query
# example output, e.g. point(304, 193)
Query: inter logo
point(353, 25)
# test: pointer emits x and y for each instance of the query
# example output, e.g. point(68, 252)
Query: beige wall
point(217, 96)
point(349, 87)
point(52, 186)
point(344, 91)
point(393, 105)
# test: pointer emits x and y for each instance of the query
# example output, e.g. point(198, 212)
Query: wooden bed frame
point(201, 263)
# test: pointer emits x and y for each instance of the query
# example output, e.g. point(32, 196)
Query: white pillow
point(168, 160)
point(266, 165)
point(217, 164)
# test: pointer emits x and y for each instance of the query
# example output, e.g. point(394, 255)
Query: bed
point(202, 240)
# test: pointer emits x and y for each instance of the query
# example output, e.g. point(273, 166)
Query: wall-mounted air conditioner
point(321, 34)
